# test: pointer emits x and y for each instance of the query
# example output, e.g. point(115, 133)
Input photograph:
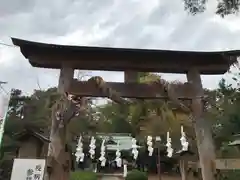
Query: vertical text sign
point(28, 169)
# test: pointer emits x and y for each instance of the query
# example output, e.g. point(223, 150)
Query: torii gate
point(131, 61)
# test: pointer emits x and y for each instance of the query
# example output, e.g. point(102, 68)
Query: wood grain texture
point(202, 129)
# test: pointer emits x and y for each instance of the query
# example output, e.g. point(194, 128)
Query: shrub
point(136, 175)
point(229, 175)
point(83, 175)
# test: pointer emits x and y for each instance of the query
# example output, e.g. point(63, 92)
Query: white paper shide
point(118, 157)
point(134, 148)
point(183, 140)
point(150, 145)
point(79, 151)
point(169, 146)
point(125, 170)
point(102, 158)
point(92, 146)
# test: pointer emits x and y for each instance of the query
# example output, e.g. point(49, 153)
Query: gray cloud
point(12, 7)
point(133, 23)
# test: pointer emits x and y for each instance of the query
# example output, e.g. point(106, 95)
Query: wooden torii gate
point(131, 61)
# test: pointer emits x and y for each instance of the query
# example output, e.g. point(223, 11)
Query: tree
point(146, 117)
point(32, 112)
point(113, 118)
point(224, 7)
point(226, 112)
point(24, 113)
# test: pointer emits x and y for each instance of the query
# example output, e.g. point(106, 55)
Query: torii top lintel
point(121, 59)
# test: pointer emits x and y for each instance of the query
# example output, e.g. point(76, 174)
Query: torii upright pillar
point(202, 128)
point(58, 161)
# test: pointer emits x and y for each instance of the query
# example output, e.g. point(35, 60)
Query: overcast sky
point(161, 24)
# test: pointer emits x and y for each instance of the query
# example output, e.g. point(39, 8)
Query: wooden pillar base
point(183, 169)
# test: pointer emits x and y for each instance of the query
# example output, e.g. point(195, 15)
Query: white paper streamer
point(169, 146)
point(118, 157)
point(102, 154)
point(183, 140)
point(150, 145)
point(92, 147)
point(79, 151)
point(125, 170)
point(134, 148)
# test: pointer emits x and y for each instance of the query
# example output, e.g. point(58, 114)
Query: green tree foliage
point(34, 112)
point(136, 175)
point(230, 175)
point(226, 116)
point(24, 112)
point(113, 118)
point(228, 120)
point(80, 175)
point(224, 7)
point(146, 117)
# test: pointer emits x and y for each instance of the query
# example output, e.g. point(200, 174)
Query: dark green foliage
point(32, 112)
point(136, 175)
point(227, 115)
point(229, 175)
point(224, 7)
point(113, 119)
point(195, 6)
point(83, 175)
point(5, 172)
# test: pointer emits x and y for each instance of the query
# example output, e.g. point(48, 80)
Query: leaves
point(195, 6)
point(227, 7)
point(145, 117)
point(226, 112)
point(224, 7)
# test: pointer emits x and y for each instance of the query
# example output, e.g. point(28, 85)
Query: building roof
point(235, 143)
point(28, 133)
point(125, 140)
point(53, 56)
point(183, 153)
point(236, 140)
